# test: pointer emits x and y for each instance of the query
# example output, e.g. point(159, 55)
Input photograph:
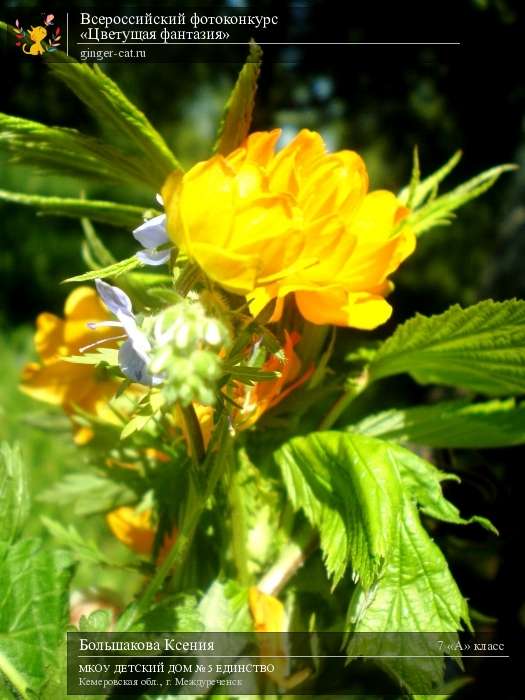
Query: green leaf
point(97, 621)
point(458, 424)
point(94, 252)
point(416, 593)
point(114, 270)
point(14, 492)
point(33, 611)
point(85, 493)
point(123, 215)
point(420, 190)
point(481, 348)
point(259, 499)
point(428, 209)
point(179, 613)
point(237, 117)
point(112, 109)
point(224, 608)
point(250, 375)
point(409, 194)
point(349, 488)
point(106, 356)
point(78, 546)
point(67, 152)
point(422, 481)
point(137, 423)
point(440, 210)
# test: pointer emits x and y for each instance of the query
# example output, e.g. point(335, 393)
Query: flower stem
point(187, 278)
point(193, 430)
point(197, 500)
point(357, 386)
point(292, 557)
point(238, 526)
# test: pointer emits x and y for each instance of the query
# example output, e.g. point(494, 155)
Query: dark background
point(380, 101)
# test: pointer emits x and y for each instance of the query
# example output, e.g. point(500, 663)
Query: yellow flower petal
point(205, 204)
point(258, 147)
point(235, 271)
point(49, 336)
point(335, 306)
point(267, 611)
point(133, 528)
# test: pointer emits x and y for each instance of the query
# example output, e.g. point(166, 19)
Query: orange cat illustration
point(37, 35)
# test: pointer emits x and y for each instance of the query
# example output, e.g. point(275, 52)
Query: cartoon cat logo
point(32, 40)
point(36, 35)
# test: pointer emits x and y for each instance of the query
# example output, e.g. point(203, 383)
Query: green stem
point(339, 407)
point(188, 276)
point(193, 428)
point(239, 526)
point(291, 558)
point(197, 500)
point(313, 339)
point(14, 677)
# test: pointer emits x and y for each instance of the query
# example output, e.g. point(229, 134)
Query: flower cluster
point(185, 342)
point(298, 222)
point(177, 347)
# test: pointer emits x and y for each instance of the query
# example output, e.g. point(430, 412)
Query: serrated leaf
point(428, 209)
point(425, 188)
point(440, 210)
point(33, 610)
point(14, 492)
point(114, 270)
point(111, 108)
point(111, 213)
point(237, 117)
point(68, 152)
point(416, 593)
point(481, 348)
point(409, 194)
point(422, 480)
point(458, 424)
point(349, 489)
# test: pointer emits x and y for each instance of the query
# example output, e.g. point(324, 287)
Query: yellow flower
point(62, 383)
point(297, 222)
point(135, 529)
